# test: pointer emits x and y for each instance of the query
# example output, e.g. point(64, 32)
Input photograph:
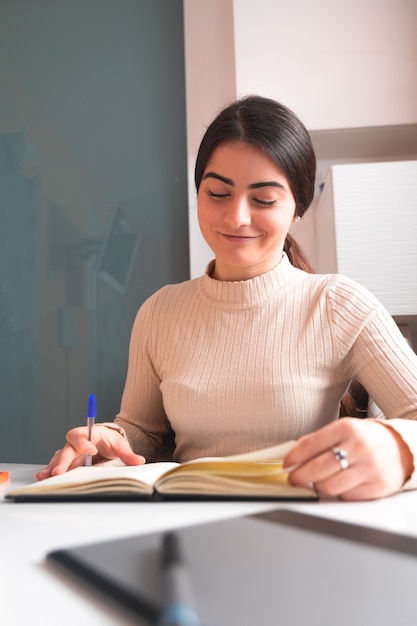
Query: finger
point(339, 488)
point(340, 483)
point(311, 445)
point(67, 459)
point(119, 448)
point(46, 472)
point(365, 491)
point(353, 481)
point(78, 439)
point(319, 468)
point(60, 462)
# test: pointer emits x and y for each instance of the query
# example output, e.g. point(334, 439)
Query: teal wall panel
point(93, 202)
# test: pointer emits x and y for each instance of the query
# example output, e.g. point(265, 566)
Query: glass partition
point(93, 202)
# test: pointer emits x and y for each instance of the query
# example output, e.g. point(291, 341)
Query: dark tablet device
point(280, 567)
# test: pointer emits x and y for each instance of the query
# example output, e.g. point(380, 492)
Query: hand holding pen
point(84, 443)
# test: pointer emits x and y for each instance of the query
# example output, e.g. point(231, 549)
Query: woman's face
point(245, 209)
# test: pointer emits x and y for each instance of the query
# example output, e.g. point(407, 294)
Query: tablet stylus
point(179, 606)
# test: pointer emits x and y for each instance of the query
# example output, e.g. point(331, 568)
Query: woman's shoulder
point(349, 302)
point(340, 287)
point(343, 289)
point(172, 300)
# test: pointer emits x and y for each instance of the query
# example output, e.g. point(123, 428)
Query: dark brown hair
point(275, 129)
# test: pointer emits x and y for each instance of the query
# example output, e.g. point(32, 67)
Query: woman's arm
point(142, 414)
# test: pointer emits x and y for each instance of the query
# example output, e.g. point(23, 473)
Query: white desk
point(32, 593)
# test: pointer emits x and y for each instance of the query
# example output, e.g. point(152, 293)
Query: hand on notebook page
point(106, 443)
point(348, 459)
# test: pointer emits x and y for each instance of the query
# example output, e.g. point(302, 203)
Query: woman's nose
point(237, 213)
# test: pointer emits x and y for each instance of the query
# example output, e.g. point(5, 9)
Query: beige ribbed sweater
point(236, 366)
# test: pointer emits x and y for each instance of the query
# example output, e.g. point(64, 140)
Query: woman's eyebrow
point(223, 179)
point(267, 183)
point(229, 181)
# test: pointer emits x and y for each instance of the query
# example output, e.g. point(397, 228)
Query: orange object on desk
point(4, 481)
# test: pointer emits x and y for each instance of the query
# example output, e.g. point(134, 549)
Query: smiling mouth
point(237, 238)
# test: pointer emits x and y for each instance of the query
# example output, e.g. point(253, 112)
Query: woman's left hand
point(351, 458)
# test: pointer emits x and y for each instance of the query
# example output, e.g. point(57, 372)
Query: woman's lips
point(238, 238)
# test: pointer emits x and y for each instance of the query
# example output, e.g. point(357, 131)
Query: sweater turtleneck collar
point(251, 292)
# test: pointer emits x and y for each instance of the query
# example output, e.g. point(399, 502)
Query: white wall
point(210, 84)
point(364, 218)
point(336, 63)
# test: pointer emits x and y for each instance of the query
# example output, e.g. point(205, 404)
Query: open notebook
point(253, 475)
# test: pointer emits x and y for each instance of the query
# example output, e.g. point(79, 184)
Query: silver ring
point(341, 457)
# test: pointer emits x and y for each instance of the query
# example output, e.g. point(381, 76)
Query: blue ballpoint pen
point(91, 415)
point(179, 607)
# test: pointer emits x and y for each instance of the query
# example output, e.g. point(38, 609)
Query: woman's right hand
point(106, 443)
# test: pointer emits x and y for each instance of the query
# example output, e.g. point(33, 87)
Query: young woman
point(260, 350)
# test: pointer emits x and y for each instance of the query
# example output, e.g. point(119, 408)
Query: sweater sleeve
point(142, 413)
point(407, 430)
point(378, 356)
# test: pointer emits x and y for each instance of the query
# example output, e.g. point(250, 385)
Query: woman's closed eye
point(257, 201)
point(264, 203)
point(217, 195)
